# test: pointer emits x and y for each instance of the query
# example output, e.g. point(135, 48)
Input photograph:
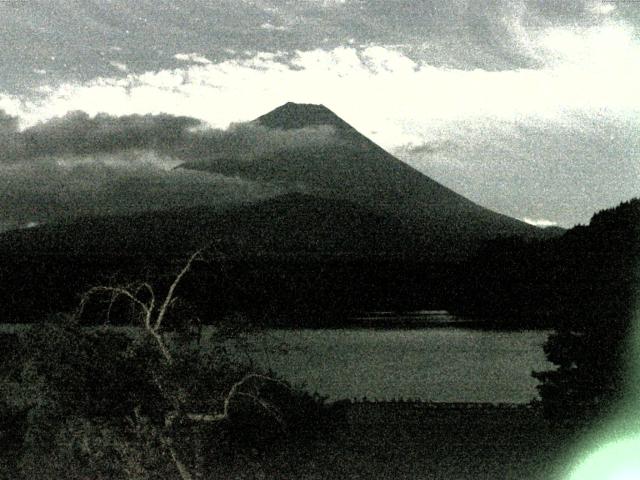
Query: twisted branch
point(153, 317)
point(169, 298)
point(234, 392)
point(132, 292)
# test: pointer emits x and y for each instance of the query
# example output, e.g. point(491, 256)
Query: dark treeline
point(556, 281)
point(585, 285)
point(290, 257)
point(296, 291)
point(515, 283)
point(319, 292)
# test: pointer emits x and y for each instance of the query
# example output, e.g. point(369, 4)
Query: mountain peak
point(300, 115)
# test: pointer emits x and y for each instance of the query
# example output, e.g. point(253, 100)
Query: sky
point(528, 107)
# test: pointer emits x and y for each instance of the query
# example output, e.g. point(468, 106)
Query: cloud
point(426, 148)
point(245, 142)
point(539, 222)
point(513, 102)
point(83, 165)
point(192, 57)
point(376, 87)
point(8, 123)
point(603, 8)
point(107, 184)
point(119, 66)
point(269, 26)
point(78, 134)
point(463, 34)
point(564, 169)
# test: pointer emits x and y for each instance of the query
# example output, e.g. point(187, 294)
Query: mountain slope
point(293, 253)
point(288, 225)
point(361, 231)
point(355, 169)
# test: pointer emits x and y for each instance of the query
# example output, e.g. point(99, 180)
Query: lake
point(427, 356)
point(440, 364)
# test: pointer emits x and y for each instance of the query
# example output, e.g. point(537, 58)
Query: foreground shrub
point(101, 403)
point(142, 402)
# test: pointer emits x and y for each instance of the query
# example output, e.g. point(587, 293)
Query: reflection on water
point(444, 364)
point(441, 363)
point(418, 318)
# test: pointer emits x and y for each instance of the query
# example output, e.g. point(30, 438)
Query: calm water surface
point(444, 364)
point(439, 363)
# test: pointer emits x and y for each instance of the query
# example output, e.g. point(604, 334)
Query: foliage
point(508, 279)
point(592, 345)
point(138, 402)
point(583, 285)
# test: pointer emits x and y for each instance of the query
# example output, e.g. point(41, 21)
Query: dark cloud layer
point(81, 165)
point(78, 134)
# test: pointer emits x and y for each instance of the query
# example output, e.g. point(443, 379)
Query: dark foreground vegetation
point(154, 401)
point(352, 441)
point(98, 403)
point(418, 441)
point(84, 401)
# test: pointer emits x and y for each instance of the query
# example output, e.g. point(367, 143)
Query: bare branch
point(205, 417)
point(132, 293)
point(153, 318)
point(146, 286)
point(115, 292)
point(235, 388)
point(163, 348)
point(233, 393)
point(111, 302)
point(163, 309)
point(181, 467)
point(270, 409)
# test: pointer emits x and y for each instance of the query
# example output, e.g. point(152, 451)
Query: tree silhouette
point(583, 285)
point(596, 280)
point(152, 313)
